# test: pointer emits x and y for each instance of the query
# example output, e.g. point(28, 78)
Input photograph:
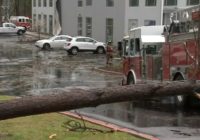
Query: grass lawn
point(50, 126)
point(5, 98)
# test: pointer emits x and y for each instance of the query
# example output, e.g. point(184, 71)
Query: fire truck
point(21, 21)
point(164, 53)
point(142, 56)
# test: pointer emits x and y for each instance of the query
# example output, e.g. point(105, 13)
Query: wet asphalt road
point(27, 70)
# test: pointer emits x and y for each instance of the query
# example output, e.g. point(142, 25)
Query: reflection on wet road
point(26, 70)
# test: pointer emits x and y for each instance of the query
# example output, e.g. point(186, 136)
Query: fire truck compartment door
point(145, 39)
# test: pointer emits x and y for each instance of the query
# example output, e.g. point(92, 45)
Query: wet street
point(27, 70)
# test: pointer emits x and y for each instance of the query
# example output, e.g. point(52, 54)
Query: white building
point(45, 16)
point(105, 19)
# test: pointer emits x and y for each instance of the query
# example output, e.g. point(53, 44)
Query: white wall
point(43, 11)
point(143, 13)
point(99, 12)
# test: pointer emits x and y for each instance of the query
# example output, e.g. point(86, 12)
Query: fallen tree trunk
point(63, 101)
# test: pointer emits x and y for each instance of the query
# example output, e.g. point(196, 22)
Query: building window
point(109, 29)
point(50, 3)
point(170, 2)
point(39, 18)
point(132, 23)
point(149, 22)
point(34, 21)
point(109, 3)
point(39, 3)
point(133, 3)
point(34, 3)
point(45, 3)
point(50, 24)
point(39, 23)
point(80, 25)
point(45, 23)
point(80, 3)
point(88, 26)
point(150, 3)
point(192, 2)
point(88, 2)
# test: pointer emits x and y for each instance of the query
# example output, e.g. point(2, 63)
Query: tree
point(1, 3)
point(21, 7)
point(60, 100)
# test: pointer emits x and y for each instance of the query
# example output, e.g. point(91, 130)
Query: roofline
point(141, 27)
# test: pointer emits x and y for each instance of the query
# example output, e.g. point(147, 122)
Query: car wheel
point(20, 32)
point(46, 46)
point(74, 51)
point(100, 50)
point(130, 79)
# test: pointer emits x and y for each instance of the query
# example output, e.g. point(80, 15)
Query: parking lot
point(28, 70)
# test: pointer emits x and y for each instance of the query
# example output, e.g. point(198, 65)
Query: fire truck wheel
point(130, 79)
point(20, 32)
point(180, 99)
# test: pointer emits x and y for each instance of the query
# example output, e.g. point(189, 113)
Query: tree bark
point(1, 2)
point(62, 100)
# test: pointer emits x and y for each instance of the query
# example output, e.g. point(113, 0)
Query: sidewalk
point(35, 34)
point(109, 125)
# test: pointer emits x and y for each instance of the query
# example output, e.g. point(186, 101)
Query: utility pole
point(198, 42)
point(1, 2)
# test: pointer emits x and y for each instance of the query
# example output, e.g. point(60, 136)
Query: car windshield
point(68, 39)
point(13, 25)
point(52, 38)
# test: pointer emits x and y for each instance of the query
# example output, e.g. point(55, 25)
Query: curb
point(36, 34)
point(110, 126)
point(107, 71)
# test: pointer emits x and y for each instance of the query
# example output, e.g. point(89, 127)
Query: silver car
point(81, 43)
point(53, 42)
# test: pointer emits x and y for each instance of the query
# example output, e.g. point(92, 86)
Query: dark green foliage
point(17, 8)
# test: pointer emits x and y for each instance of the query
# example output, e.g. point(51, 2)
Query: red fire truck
point(142, 56)
point(21, 21)
point(164, 52)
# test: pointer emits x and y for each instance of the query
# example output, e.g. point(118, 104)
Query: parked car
point(10, 28)
point(53, 42)
point(81, 43)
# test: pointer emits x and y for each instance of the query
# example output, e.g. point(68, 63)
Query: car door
point(64, 40)
point(57, 42)
point(80, 43)
point(90, 44)
point(12, 28)
point(8, 28)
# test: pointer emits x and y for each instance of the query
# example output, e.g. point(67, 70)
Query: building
point(105, 20)
point(45, 17)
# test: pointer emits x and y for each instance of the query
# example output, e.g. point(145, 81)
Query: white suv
point(80, 43)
